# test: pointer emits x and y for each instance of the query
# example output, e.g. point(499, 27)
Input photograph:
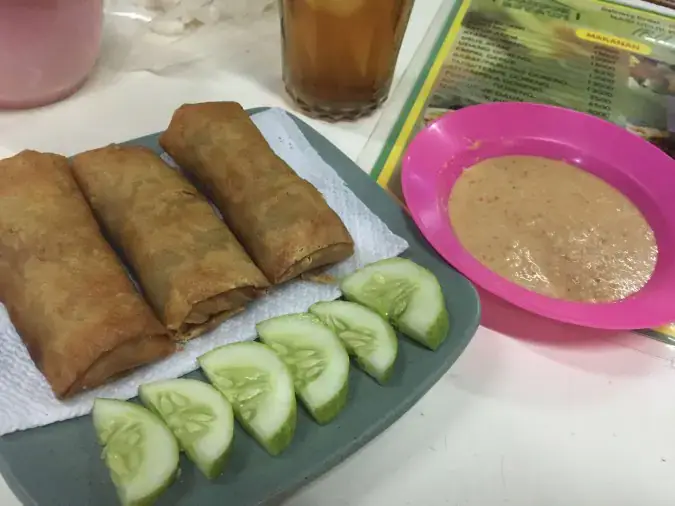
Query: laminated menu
point(598, 57)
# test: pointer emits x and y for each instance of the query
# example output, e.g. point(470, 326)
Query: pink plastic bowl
point(437, 156)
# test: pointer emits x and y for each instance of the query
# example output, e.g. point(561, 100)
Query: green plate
point(60, 465)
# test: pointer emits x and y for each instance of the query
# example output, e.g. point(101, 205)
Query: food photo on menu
point(205, 299)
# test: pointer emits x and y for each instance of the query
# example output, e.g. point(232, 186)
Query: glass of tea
point(339, 55)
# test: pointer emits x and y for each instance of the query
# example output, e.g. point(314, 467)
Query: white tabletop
point(553, 417)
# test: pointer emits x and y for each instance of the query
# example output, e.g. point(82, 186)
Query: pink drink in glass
point(47, 49)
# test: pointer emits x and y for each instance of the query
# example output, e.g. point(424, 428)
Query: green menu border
point(415, 95)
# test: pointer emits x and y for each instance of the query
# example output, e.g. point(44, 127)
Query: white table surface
point(554, 416)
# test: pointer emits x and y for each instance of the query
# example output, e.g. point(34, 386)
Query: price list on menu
point(601, 81)
point(613, 61)
point(495, 61)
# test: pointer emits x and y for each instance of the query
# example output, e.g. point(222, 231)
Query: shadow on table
point(503, 317)
point(564, 342)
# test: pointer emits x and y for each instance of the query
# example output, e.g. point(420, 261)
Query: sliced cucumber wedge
point(366, 335)
point(318, 362)
point(198, 415)
point(408, 295)
point(139, 450)
point(260, 388)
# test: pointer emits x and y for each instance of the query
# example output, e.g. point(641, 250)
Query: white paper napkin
point(25, 397)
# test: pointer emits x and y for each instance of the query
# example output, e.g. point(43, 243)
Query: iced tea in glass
point(339, 55)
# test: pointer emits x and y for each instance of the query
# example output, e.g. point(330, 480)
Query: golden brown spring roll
point(281, 219)
point(66, 291)
point(191, 268)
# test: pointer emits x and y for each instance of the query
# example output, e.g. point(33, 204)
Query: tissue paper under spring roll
point(282, 220)
point(190, 266)
point(65, 290)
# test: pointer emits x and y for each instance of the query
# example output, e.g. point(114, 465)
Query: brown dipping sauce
point(553, 228)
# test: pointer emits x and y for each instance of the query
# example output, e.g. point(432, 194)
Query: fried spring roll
point(281, 219)
point(190, 266)
point(66, 291)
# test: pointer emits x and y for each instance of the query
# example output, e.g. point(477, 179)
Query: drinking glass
point(47, 49)
point(339, 55)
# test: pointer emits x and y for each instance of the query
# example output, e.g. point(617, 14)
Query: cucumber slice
point(260, 387)
point(318, 362)
point(139, 450)
point(408, 295)
point(198, 415)
point(366, 335)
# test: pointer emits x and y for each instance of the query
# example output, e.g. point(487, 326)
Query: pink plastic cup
point(47, 49)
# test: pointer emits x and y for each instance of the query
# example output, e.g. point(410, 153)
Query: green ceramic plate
point(60, 465)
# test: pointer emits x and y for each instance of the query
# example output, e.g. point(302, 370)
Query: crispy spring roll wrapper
point(191, 267)
point(66, 291)
point(282, 220)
